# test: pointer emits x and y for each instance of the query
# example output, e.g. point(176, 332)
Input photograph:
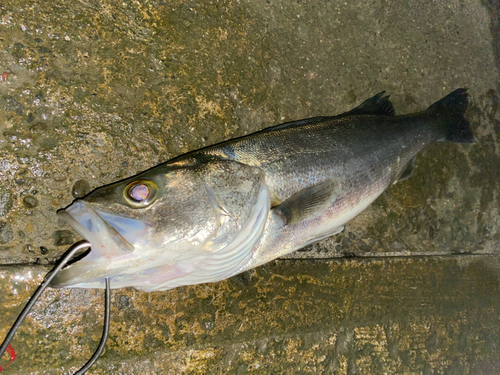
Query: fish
point(213, 213)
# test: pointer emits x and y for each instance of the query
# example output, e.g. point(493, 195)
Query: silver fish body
point(213, 213)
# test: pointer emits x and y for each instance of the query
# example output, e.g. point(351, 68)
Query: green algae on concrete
point(402, 315)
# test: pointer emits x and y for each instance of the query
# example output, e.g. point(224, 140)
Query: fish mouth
point(108, 239)
point(103, 237)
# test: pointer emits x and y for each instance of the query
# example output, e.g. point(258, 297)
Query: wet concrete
point(95, 92)
point(401, 315)
point(92, 92)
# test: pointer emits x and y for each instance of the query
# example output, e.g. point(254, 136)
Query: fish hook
point(45, 283)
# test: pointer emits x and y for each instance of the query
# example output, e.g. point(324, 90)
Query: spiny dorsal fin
point(376, 105)
point(309, 202)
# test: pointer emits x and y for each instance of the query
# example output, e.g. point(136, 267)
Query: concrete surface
point(401, 315)
point(92, 92)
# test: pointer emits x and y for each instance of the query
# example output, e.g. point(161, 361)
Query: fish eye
point(140, 193)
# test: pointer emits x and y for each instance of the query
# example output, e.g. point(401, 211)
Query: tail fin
point(452, 107)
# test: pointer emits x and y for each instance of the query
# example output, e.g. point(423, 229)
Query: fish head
point(146, 210)
point(116, 218)
point(160, 218)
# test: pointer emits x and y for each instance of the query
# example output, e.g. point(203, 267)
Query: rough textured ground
point(405, 315)
point(95, 91)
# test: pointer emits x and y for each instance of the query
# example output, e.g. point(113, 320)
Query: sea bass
point(216, 212)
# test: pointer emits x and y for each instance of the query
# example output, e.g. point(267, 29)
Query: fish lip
point(106, 246)
point(109, 250)
point(85, 208)
point(111, 228)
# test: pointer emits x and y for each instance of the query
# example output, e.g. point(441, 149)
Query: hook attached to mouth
point(45, 283)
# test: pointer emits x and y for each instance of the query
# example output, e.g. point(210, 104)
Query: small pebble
point(39, 127)
point(363, 246)
point(29, 247)
point(43, 261)
point(48, 144)
point(80, 189)
point(6, 232)
point(61, 222)
point(63, 237)
point(346, 242)
point(123, 302)
point(30, 202)
point(397, 245)
point(6, 203)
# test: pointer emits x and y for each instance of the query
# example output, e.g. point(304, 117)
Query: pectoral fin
point(408, 171)
point(308, 202)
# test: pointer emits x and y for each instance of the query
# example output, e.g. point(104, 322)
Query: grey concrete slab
point(95, 92)
point(395, 315)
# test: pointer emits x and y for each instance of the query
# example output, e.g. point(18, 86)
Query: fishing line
point(45, 283)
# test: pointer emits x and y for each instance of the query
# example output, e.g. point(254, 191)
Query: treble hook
point(107, 302)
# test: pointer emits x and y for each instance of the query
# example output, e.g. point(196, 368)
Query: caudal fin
point(452, 107)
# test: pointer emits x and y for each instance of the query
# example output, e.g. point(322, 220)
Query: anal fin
point(308, 202)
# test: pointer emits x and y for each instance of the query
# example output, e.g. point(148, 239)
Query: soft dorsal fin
point(376, 105)
point(309, 202)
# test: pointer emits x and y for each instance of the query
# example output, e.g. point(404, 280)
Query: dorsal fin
point(376, 105)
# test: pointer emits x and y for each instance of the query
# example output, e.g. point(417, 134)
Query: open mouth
point(105, 240)
point(110, 237)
